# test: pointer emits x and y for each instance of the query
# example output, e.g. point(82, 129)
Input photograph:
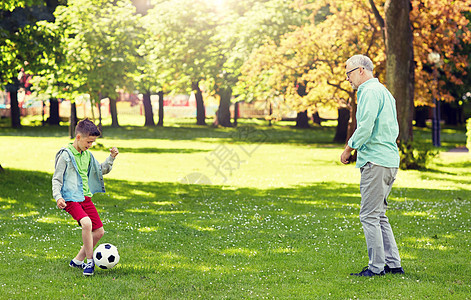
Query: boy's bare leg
point(90, 239)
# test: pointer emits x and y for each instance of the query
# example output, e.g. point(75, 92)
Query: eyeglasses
point(348, 73)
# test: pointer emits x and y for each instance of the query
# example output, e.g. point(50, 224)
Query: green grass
point(283, 225)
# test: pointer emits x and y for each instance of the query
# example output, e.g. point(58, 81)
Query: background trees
point(246, 26)
point(432, 26)
point(101, 42)
point(400, 67)
point(313, 56)
point(279, 51)
point(183, 46)
point(444, 29)
point(307, 66)
point(24, 44)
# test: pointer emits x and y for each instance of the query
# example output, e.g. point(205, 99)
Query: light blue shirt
point(377, 127)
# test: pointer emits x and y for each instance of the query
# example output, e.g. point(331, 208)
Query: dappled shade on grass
point(179, 240)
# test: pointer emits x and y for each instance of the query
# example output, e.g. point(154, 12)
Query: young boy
point(77, 176)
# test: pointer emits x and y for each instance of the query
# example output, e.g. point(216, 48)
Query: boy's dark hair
point(87, 128)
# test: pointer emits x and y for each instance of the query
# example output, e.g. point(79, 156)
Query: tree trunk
point(100, 125)
point(460, 114)
point(73, 120)
point(352, 126)
point(400, 63)
point(42, 113)
point(148, 113)
point(161, 108)
point(200, 110)
point(224, 113)
point(342, 125)
point(53, 112)
point(449, 113)
point(421, 115)
point(113, 112)
point(316, 119)
point(236, 113)
point(14, 108)
point(302, 120)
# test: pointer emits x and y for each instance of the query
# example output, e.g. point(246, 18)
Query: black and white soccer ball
point(106, 256)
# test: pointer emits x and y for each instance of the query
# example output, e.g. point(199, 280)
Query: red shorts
point(80, 210)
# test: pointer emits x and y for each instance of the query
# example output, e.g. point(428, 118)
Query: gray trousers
point(375, 186)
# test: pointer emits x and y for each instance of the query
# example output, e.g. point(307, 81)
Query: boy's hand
point(61, 203)
point(114, 152)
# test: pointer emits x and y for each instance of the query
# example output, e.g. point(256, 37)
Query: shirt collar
point(72, 148)
point(369, 81)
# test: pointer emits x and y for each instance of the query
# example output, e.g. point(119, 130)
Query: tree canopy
point(25, 44)
point(292, 50)
point(313, 56)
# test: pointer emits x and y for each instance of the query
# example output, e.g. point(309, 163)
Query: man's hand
point(114, 152)
point(61, 203)
point(346, 154)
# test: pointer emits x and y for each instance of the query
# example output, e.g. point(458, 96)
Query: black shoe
point(367, 273)
point(399, 270)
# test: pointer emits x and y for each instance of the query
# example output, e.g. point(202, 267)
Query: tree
point(154, 67)
point(100, 40)
point(214, 44)
point(312, 57)
point(421, 28)
point(48, 83)
point(243, 27)
point(459, 91)
point(316, 54)
point(183, 34)
point(441, 27)
point(143, 80)
point(400, 67)
point(23, 44)
point(57, 81)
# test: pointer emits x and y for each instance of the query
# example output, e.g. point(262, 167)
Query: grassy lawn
point(279, 219)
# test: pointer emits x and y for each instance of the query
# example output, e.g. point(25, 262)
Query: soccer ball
point(106, 256)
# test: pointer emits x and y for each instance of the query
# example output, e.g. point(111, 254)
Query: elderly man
point(378, 160)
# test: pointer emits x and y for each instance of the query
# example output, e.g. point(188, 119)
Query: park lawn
point(278, 220)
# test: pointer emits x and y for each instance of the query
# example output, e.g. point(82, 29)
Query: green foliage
point(266, 23)
point(204, 42)
point(415, 156)
point(307, 64)
point(180, 37)
point(24, 41)
point(10, 5)
point(100, 39)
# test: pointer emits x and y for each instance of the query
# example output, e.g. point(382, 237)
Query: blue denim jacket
point(66, 181)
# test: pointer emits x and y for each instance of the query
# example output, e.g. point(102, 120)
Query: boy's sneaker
point(88, 269)
point(367, 273)
point(399, 270)
point(74, 265)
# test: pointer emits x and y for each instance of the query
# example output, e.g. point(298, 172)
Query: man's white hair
point(360, 60)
